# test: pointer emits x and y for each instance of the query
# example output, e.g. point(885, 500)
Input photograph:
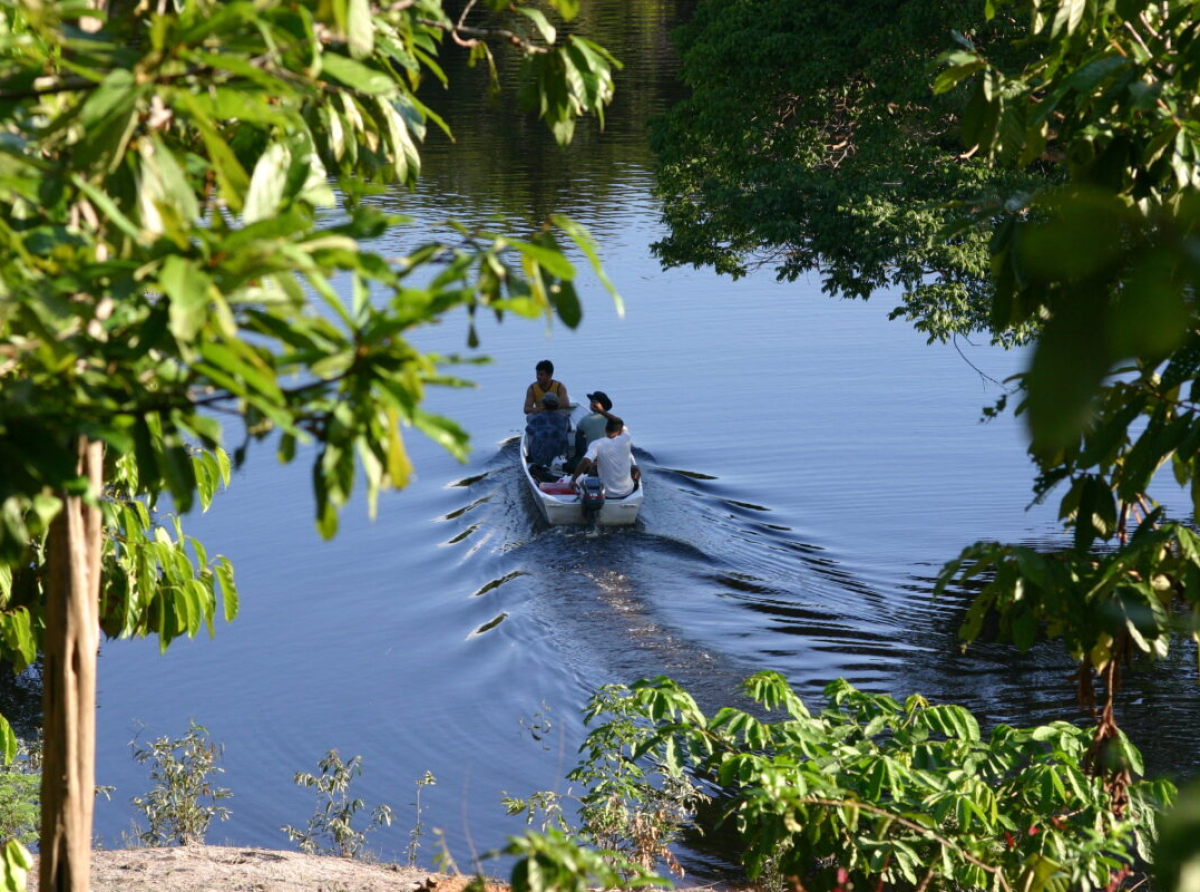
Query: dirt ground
point(239, 869)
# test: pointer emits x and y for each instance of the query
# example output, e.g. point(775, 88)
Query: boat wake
point(704, 575)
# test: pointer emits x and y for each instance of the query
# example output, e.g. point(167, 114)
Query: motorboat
point(585, 502)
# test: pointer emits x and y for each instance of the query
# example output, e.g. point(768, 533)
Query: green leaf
point(406, 161)
point(109, 114)
point(360, 29)
point(950, 78)
point(17, 863)
point(550, 259)
point(583, 240)
point(566, 303)
point(188, 289)
point(358, 76)
point(229, 592)
point(1068, 366)
point(568, 9)
point(230, 174)
point(267, 186)
point(1176, 856)
point(107, 207)
point(399, 466)
point(8, 742)
point(180, 476)
point(1038, 874)
point(1069, 15)
point(167, 202)
point(540, 22)
point(1087, 78)
point(235, 363)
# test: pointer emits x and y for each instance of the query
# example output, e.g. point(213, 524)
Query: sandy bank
point(241, 869)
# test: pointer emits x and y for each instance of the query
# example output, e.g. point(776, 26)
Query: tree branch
point(474, 36)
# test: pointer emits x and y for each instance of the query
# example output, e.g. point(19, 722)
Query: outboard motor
point(591, 495)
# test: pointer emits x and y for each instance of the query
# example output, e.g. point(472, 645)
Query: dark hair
point(545, 366)
point(614, 424)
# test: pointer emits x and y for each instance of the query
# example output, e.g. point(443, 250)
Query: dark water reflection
point(809, 466)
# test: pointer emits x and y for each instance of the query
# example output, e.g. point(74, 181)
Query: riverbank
point(204, 868)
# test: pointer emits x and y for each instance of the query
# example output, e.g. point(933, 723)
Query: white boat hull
point(567, 509)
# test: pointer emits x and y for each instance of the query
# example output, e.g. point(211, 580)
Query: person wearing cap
point(544, 384)
point(546, 432)
point(592, 427)
point(612, 458)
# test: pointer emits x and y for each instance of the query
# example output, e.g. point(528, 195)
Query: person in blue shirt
point(546, 433)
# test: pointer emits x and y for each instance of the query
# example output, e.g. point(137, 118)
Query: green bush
point(331, 829)
point(871, 793)
point(20, 796)
point(632, 811)
point(181, 770)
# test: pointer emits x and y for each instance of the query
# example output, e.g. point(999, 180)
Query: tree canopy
point(185, 240)
point(812, 141)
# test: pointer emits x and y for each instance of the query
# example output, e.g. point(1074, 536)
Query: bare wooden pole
point(69, 685)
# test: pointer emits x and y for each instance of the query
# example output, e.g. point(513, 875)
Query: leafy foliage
point(553, 862)
point(1093, 104)
point(1176, 857)
point(1059, 145)
point(181, 184)
point(15, 863)
point(1105, 259)
point(244, 112)
point(630, 811)
point(1100, 605)
point(871, 791)
point(20, 807)
point(183, 801)
point(331, 830)
point(1105, 263)
point(160, 580)
point(812, 141)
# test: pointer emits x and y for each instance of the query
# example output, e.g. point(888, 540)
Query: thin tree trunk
point(69, 686)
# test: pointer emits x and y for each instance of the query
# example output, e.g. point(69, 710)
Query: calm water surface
point(809, 464)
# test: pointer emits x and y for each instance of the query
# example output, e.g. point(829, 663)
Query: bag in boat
point(542, 474)
point(558, 487)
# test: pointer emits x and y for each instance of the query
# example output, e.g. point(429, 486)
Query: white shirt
point(614, 455)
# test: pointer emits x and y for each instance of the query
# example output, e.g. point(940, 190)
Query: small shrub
point(181, 771)
point(331, 830)
point(633, 810)
point(20, 795)
point(418, 830)
point(553, 862)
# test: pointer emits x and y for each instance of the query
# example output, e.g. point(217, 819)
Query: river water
point(809, 466)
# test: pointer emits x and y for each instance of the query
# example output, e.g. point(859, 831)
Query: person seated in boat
point(591, 428)
point(612, 459)
point(545, 384)
point(546, 433)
